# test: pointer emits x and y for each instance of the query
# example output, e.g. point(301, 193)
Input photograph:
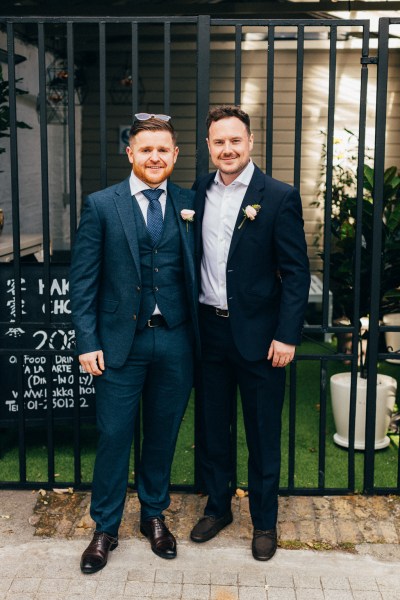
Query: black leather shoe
point(264, 544)
point(209, 526)
point(161, 539)
point(95, 556)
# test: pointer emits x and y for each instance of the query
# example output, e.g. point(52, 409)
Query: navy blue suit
point(267, 283)
point(117, 276)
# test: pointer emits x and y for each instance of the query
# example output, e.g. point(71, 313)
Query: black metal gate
point(41, 383)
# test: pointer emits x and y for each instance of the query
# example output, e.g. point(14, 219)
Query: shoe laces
point(270, 533)
point(100, 535)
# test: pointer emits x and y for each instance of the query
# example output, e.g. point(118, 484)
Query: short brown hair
point(224, 112)
point(152, 124)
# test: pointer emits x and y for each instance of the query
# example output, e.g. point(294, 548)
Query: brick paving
point(331, 548)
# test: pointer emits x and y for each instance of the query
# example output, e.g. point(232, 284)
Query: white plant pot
point(392, 338)
point(340, 396)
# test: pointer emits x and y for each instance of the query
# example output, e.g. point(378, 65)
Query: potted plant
point(342, 279)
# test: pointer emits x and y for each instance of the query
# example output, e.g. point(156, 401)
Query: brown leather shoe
point(209, 526)
point(95, 556)
point(264, 544)
point(161, 539)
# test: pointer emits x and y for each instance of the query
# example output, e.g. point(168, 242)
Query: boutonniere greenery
point(188, 216)
point(250, 212)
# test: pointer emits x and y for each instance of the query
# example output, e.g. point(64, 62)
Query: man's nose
point(154, 156)
point(227, 148)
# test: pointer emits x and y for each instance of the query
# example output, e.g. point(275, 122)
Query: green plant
point(5, 109)
point(343, 232)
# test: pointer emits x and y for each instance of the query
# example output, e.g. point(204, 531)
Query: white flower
point(250, 212)
point(188, 216)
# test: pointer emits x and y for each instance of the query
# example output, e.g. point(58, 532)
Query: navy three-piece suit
point(117, 278)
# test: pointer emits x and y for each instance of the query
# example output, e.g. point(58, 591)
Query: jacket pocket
point(109, 305)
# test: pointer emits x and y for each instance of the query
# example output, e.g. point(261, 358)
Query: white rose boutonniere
point(188, 216)
point(250, 212)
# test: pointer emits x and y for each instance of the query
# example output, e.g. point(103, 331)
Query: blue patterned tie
point(154, 214)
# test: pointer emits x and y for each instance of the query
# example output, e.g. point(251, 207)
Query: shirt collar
point(243, 178)
point(137, 185)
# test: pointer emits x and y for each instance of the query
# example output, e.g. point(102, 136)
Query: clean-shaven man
point(134, 305)
point(254, 273)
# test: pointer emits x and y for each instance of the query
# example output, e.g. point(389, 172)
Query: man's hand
point(92, 362)
point(281, 354)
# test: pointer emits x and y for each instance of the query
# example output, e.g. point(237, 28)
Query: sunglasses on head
point(147, 116)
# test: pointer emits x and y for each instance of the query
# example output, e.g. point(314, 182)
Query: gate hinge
point(369, 60)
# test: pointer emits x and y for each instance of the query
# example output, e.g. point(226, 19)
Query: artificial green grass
point(335, 474)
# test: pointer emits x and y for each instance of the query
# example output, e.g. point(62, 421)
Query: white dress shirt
point(137, 185)
point(221, 211)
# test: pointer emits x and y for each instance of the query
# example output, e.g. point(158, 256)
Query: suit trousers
point(160, 370)
point(262, 390)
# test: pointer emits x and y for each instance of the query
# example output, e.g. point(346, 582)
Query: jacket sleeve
point(85, 278)
point(294, 270)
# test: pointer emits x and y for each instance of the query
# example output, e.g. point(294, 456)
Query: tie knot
point(151, 194)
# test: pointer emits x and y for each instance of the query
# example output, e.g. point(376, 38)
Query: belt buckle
point(150, 325)
point(220, 313)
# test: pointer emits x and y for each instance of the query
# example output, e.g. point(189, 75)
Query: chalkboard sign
point(48, 376)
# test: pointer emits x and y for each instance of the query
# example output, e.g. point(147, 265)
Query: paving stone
point(280, 579)
point(338, 595)
point(335, 583)
point(169, 576)
point(309, 594)
point(388, 583)
point(53, 586)
point(167, 590)
point(138, 589)
point(197, 577)
point(192, 591)
point(109, 589)
point(145, 575)
point(365, 595)
point(112, 572)
point(224, 578)
point(252, 593)
point(83, 587)
point(281, 594)
point(390, 595)
point(25, 585)
point(363, 583)
point(252, 579)
point(224, 592)
point(5, 583)
point(306, 581)
point(19, 596)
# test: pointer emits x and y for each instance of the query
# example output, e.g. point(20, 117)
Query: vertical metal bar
point(329, 163)
point(167, 67)
point(322, 424)
point(71, 132)
point(270, 99)
point(44, 169)
point(203, 92)
point(238, 64)
point(292, 425)
point(50, 421)
point(135, 70)
point(76, 425)
point(379, 168)
point(12, 102)
point(357, 254)
point(21, 421)
point(299, 106)
point(103, 105)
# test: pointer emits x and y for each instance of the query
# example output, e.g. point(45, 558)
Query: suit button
point(156, 270)
point(155, 289)
point(155, 251)
point(134, 317)
point(138, 288)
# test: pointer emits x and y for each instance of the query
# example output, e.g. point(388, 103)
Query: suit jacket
point(267, 275)
point(105, 279)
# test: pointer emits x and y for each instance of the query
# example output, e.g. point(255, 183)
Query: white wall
point(29, 159)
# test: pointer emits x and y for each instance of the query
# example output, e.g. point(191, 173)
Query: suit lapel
point(254, 195)
point(123, 201)
point(179, 202)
